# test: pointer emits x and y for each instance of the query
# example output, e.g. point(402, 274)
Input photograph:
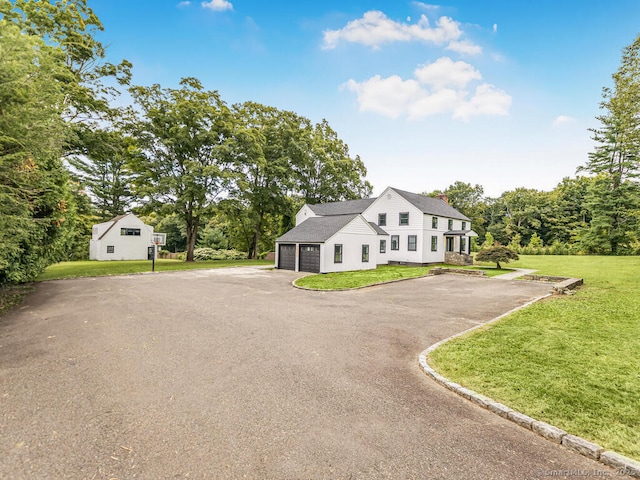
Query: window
point(450, 225)
point(404, 218)
point(413, 242)
point(464, 225)
point(110, 249)
point(383, 246)
point(382, 219)
point(463, 245)
point(337, 254)
point(130, 231)
point(395, 242)
point(365, 253)
point(434, 222)
point(434, 243)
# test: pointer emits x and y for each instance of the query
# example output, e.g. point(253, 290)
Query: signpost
point(157, 240)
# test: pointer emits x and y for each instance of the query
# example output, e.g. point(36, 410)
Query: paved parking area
point(234, 374)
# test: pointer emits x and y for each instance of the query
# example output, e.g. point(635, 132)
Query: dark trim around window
point(403, 218)
point(337, 253)
point(365, 253)
point(395, 242)
point(383, 246)
point(434, 243)
point(412, 243)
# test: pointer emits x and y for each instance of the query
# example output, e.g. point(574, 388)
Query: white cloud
point(375, 29)
point(217, 5)
point(444, 72)
point(438, 88)
point(464, 47)
point(495, 27)
point(562, 120)
point(184, 4)
point(390, 96)
point(427, 7)
point(487, 100)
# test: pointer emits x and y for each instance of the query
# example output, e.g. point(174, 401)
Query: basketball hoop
point(159, 239)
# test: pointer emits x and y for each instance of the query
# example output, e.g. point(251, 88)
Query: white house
point(398, 227)
point(124, 237)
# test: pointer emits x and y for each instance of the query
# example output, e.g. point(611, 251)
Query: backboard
point(159, 239)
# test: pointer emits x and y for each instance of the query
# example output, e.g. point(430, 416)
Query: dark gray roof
point(347, 207)
point(317, 229)
point(431, 206)
point(458, 233)
point(378, 230)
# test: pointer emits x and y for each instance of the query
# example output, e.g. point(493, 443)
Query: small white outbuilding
point(124, 237)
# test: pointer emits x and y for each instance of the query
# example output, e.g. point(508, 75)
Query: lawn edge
point(623, 465)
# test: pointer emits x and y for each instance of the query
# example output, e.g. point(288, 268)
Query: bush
point(204, 254)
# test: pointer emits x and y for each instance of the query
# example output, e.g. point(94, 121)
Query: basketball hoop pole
point(153, 259)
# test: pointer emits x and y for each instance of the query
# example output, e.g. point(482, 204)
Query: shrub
point(204, 254)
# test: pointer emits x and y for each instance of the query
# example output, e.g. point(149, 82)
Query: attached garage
point(287, 256)
point(310, 258)
point(311, 245)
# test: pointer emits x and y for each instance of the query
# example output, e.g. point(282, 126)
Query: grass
point(93, 268)
point(363, 278)
point(571, 361)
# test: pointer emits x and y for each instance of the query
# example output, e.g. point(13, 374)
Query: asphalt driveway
point(234, 374)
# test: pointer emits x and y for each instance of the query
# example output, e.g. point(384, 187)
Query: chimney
point(443, 197)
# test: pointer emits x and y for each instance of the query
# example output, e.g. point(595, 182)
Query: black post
point(153, 259)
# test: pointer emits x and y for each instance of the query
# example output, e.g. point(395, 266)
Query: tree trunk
point(498, 266)
point(256, 238)
point(192, 236)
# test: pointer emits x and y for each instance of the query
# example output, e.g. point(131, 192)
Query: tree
point(103, 166)
point(616, 159)
point(278, 157)
point(496, 254)
point(71, 26)
point(325, 172)
point(182, 137)
point(264, 143)
point(469, 200)
point(35, 199)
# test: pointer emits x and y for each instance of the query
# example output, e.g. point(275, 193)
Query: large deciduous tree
point(182, 134)
point(613, 197)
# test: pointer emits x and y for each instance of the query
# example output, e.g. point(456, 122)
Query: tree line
point(180, 157)
point(232, 176)
point(594, 214)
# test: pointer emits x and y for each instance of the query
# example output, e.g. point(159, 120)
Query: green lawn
point(572, 361)
point(363, 278)
point(94, 268)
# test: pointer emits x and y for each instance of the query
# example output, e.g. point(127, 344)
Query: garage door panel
point(310, 258)
point(287, 257)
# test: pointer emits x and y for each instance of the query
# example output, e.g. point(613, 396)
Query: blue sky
point(498, 93)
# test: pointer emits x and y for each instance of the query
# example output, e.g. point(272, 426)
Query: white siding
point(125, 247)
point(351, 237)
point(393, 204)
point(304, 213)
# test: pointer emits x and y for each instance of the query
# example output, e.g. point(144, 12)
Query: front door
point(449, 244)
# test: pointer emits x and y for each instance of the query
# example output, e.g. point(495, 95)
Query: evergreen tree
point(613, 197)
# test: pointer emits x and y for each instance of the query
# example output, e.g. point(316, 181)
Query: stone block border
point(622, 464)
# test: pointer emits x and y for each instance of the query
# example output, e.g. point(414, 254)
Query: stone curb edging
point(622, 464)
